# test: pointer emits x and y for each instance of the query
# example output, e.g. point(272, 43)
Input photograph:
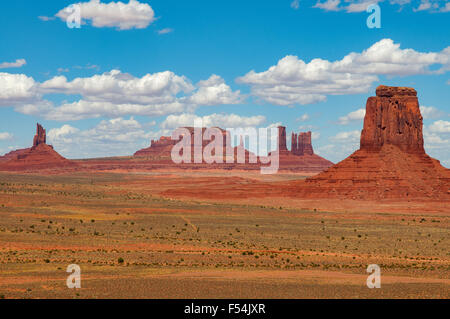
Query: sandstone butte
point(40, 156)
point(301, 157)
point(391, 161)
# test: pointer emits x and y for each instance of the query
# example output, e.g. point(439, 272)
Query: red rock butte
point(391, 161)
point(302, 159)
point(40, 156)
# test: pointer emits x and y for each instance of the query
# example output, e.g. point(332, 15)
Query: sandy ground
point(160, 235)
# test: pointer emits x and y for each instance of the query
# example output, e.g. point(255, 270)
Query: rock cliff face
point(40, 137)
point(301, 157)
point(38, 157)
point(304, 144)
point(393, 117)
point(158, 148)
point(282, 138)
point(391, 162)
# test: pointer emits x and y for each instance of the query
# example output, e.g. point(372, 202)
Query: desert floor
point(180, 234)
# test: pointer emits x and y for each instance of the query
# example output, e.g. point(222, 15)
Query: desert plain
point(212, 234)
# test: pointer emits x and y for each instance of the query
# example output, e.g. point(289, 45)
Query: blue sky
point(135, 70)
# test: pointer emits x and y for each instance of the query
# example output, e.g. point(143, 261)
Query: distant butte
point(40, 156)
point(297, 159)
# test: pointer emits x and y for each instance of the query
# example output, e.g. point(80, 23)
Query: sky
point(137, 69)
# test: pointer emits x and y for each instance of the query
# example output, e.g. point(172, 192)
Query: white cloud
point(5, 136)
point(19, 63)
point(424, 5)
point(431, 139)
point(293, 81)
point(315, 135)
point(430, 112)
point(352, 136)
point(328, 5)
point(17, 88)
point(351, 6)
point(220, 120)
point(400, 2)
point(440, 127)
point(122, 87)
point(357, 115)
point(303, 118)
point(45, 18)
point(214, 91)
point(359, 6)
point(114, 137)
point(309, 127)
point(123, 16)
point(342, 145)
point(113, 94)
point(295, 4)
point(437, 139)
point(116, 94)
point(165, 31)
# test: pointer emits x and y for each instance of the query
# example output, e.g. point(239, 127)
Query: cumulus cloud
point(122, 87)
point(113, 94)
point(357, 115)
point(213, 120)
point(293, 81)
point(360, 6)
point(430, 112)
point(17, 64)
point(123, 16)
point(114, 137)
point(440, 127)
point(342, 145)
point(328, 5)
point(437, 139)
point(351, 137)
point(17, 88)
point(5, 136)
point(214, 91)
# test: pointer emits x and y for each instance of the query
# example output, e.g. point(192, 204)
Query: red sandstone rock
point(39, 157)
point(391, 162)
point(282, 138)
point(304, 144)
point(159, 153)
point(393, 117)
point(294, 144)
point(301, 157)
point(40, 137)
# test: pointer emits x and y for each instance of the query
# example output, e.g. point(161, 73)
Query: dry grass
point(203, 248)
